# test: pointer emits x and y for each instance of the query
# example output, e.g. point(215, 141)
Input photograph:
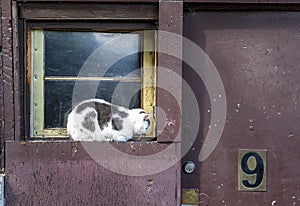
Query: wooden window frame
point(35, 68)
point(165, 16)
point(32, 18)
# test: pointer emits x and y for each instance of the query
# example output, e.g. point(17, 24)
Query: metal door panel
point(257, 57)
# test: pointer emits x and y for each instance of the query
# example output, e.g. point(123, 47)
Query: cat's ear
point(147, 117)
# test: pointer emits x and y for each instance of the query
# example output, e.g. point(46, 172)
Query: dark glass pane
point(58, 102)
point(66, 52)
point(92, 54)
point(60, 94)
point(128, 66)
point(121, 93)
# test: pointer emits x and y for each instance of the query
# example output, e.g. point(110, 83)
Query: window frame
point(148, 78)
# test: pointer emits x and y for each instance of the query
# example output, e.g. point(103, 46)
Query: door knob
point(189, 167)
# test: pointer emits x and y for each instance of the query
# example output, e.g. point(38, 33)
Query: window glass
point(87, 64)
point(58, 97)
point(66, 52)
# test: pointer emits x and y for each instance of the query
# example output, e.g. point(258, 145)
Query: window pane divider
point(63, 78)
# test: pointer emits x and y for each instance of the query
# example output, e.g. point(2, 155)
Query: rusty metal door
point(256, 159)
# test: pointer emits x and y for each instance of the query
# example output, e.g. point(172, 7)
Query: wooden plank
point(7, 67)
point(16, 71)
point(88, 11)
point(169, 89)
point(169, 70)
point(247, 1)
point(90, 25)
point(64, 174)
point(199, 1)
point(1, 101)
point(99, 1)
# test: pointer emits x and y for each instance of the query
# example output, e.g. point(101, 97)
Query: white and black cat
point(98, 120)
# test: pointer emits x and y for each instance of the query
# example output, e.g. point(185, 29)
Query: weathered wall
point(64, 174)
point(1, 93)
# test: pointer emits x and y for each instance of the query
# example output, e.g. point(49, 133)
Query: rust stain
point(131, 145)
point(149, 184)
point(74, 148)
point(32, 143)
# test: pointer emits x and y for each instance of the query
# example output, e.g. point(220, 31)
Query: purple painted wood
point(100, 1)
point(64, 174)
point(168, 83)
point(197, 1)
point(1, 99)
point(18, 92)
point(7, 70)
point(247, 1)
point(85, 11)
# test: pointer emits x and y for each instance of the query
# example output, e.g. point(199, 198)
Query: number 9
point(258, 170)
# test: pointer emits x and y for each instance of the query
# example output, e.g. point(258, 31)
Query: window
point(66, 66)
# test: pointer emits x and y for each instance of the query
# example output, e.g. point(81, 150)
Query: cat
point(99, 120)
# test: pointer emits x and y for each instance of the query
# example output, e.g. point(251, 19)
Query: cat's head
point(141, 121)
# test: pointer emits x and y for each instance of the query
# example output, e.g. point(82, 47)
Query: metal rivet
point(251, 128)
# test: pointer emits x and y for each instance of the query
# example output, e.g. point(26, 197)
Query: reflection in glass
point(58, 97)
point(67, 52)
point(72, 54)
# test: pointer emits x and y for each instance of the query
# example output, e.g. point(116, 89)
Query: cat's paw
point(121, 139)
point(108, 140)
